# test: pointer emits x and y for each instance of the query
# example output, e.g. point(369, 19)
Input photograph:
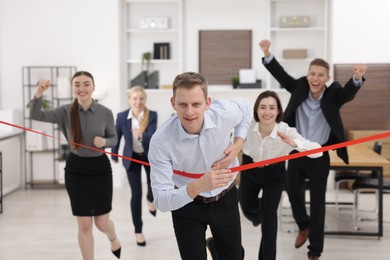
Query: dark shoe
point(117, 252)
point(301, 238)
point(141, 243)
point(153, 212)
point(152, 208)
point(313, 257)
point(211, 247)
point(139, 238)
point(256, 223)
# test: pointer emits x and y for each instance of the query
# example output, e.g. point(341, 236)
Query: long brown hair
point(74, 113)
point(145, 120)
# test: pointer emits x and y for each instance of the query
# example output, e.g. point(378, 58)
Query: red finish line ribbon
point(233, 169)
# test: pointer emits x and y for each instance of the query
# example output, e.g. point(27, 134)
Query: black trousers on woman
point(135, 181)
point(270, 180)
point(317, 171)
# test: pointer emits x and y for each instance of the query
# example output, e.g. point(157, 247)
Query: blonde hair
point(144, 122)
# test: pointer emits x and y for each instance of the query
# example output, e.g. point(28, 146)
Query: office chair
point(347, 176)
point(368, 184)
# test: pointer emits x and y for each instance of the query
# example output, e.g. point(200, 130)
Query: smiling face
point(83, 88)
point(137, 101)
point(190, 105)
point(267, 111)
point(317, 77)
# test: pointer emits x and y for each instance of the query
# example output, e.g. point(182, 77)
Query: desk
point(361, 157)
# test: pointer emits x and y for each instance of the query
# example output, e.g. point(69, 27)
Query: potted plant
point(145, 62)
point(45, 103)
point(235, 81)
point(145, 67)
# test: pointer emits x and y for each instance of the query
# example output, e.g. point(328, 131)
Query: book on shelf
point(161, 51)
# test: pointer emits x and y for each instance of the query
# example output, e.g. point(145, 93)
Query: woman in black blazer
point(314, 109)
point(137, 125)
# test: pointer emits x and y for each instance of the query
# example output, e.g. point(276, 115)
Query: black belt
point(216, 197)
point(139, 154)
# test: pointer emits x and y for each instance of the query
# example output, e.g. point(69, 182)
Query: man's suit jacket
point(334, 97)
point(123, 128)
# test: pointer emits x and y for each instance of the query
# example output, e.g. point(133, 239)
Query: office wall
point(360, 31)
point(58, 32)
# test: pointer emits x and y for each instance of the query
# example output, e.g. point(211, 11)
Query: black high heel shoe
point(140, 243)
point(153, 212)
point(117, 252)
point(152, 206)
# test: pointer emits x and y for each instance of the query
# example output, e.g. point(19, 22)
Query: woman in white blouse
point(267, 138)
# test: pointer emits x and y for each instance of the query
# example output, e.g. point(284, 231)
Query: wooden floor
point(37, 224)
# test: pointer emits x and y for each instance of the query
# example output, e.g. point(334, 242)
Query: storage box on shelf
point(298, 31)
point(44, 155)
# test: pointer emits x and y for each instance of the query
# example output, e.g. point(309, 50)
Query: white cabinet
point(146, 23)
point(298, 25)
point(12, 161)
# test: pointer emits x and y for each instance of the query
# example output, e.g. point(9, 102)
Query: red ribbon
point(234, 169)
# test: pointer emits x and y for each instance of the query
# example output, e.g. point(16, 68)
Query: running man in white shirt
point(198, 141)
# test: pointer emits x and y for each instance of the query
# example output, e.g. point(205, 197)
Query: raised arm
point(265, 45)
point(359, 70)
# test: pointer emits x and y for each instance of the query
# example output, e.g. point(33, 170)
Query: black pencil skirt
point(88, 181)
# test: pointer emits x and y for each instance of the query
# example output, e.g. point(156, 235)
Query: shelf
point(46, 184)
point(42, 151)
point(313, 38)
point(162, 61)
point(296, 29)
point(41, 166)
point(152, 31)
point(138, 40)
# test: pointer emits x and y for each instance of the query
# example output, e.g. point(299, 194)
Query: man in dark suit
point(314, 109)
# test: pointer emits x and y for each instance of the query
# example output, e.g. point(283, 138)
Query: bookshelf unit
point(312, 37)
point(145, 23)
point(45, 156)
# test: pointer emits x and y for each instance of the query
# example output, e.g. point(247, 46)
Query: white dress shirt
point(272, 146)
point(171, 147)
point(137, 144)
